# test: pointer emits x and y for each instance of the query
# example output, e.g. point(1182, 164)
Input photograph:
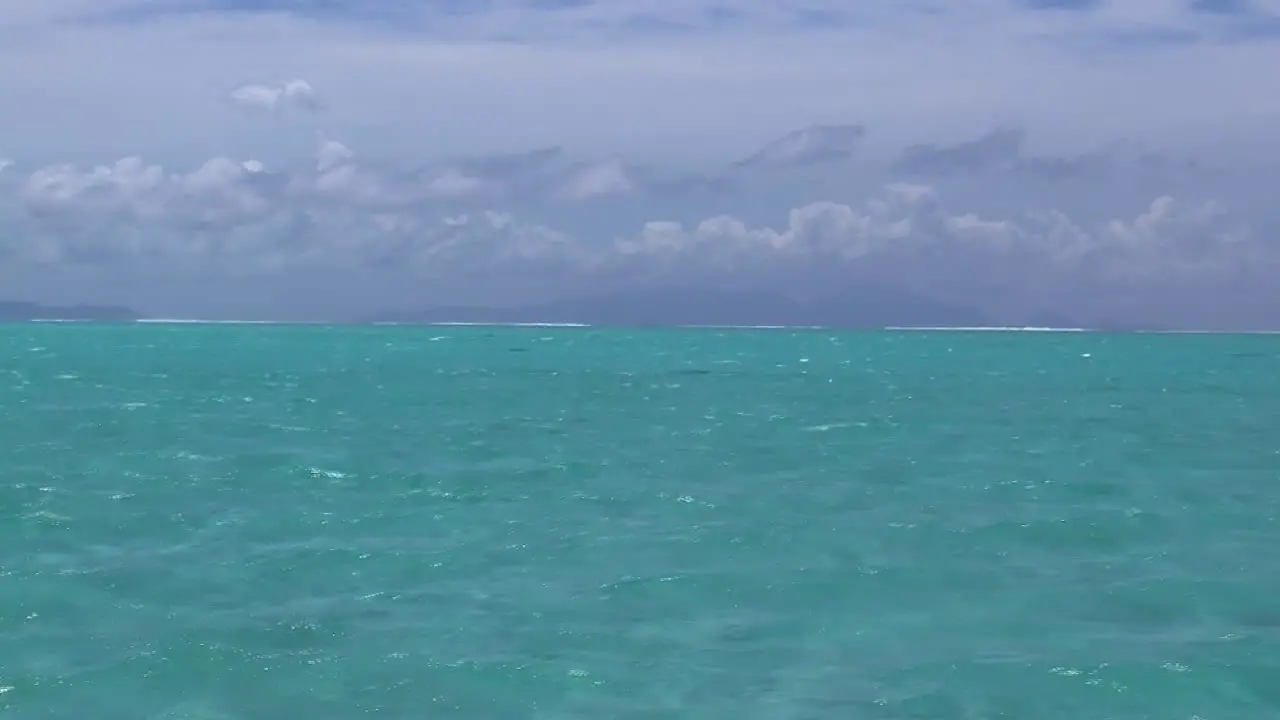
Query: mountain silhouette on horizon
point(21, 311)
point(860, 308)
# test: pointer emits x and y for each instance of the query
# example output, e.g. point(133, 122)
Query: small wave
point(834, 426)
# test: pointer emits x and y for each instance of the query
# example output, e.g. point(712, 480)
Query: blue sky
point(225, 157)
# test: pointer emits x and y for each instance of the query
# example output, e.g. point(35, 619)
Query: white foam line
point(911, 328)
point(198, 321)
point(499, 324)
point(752, 327)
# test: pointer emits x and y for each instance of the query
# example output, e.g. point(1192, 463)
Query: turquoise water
point(333, 523)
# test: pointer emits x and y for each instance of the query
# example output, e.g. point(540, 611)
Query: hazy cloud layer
point(641, 78)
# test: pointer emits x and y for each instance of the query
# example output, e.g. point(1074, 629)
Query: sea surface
point(272, 522)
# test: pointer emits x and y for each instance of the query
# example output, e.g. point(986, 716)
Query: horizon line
point(674, 326)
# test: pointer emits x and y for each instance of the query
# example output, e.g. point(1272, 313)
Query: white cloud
point(906, 227)
point(129, 182)
point(453, 183)
point(609, 177)
point(294, 93)
point(332, 154)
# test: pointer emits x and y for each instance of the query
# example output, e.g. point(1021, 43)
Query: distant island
point(17, 311)
point(863, 308)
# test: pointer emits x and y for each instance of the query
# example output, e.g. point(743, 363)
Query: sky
point(1100, 159)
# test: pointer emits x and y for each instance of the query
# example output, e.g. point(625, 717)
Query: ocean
point(222, 522)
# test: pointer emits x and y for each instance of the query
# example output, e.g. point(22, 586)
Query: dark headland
point(18, 311)
point(861, 309)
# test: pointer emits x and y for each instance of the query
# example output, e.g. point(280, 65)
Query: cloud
point(906, 229)
point(238, 218)
point(131, 187)
point(1000, 149)
point(487, 77)
point(808, 146)
point(984, 148)
point(294, 93)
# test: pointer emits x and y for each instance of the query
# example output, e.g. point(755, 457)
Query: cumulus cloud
point(601, 179)
point(219, 190)
point(292, 94)
point(238, 217)
point(908, 228)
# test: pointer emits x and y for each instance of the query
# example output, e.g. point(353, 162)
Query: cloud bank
point(442, 227)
